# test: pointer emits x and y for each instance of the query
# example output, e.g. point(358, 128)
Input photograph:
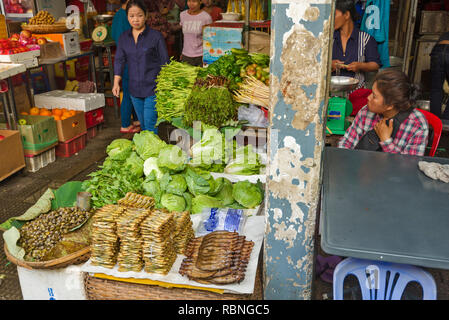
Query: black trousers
point(439, 69)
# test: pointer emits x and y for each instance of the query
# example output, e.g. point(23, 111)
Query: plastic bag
point(221, 220)
point(254, 115)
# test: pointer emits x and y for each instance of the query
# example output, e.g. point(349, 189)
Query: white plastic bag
point(254, 115)
point(225, 219)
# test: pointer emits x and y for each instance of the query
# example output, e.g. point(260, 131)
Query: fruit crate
point(93, 131)
point(94, 117)
point(71, 147)
point(36, 162)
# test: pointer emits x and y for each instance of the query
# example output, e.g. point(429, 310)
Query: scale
point(102, 32)
point(339, 107)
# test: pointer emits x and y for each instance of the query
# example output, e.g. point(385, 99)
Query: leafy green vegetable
point(173, 202)
point(148, 144)
point(150, 166)
point(203, 201)
point(246, 162)
point(247, 194)
point(199, 181)
point(188, 198)
point(135, 164)
point(225, 194)
point(172, 158)
point(151, 188)
point(119, 149)
point(177, 185)
point(111, 183)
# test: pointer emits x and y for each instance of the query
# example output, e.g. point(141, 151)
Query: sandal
point(130, 130)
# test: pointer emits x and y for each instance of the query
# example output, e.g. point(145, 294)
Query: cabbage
point(246, 162)
point(119, 149)
point(152, 189)
point(173, 202)
point(148, 144)
point(175, 184)
point(203, 201)
point(150, 166)
point(135, 163)
point(172, 158)
point(199, 181)
point(188, 198)
point(216, 186)
point(247, 194)
point(225, 194)
point(209, 149)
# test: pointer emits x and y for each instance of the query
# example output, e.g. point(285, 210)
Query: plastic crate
point(71, 147)
point(34, 163)
point(94, 117)
point(93, 132)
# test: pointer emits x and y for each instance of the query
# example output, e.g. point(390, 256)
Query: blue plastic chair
point(382, 280)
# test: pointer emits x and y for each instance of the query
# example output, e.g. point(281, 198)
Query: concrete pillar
point(300, 43)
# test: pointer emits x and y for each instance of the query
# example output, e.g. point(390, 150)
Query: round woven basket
point(105, 289)
point(46, 28)
point(75, 258)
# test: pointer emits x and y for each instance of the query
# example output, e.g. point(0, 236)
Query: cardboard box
point(38, 133)
point(58, 284)
point(71, 127)
point(69, 41)
point(11, 153)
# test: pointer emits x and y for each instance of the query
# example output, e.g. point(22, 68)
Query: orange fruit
point(56, 117)
point(64, 110)
point(34, 111)
point(72, 112)
point(66, 114)
point(64, 117)
point(57, 112)
point(24, 113)
point(44, 112)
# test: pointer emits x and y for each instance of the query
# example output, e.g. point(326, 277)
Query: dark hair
point(122, 2)
point(396, 89)
point(347, 5)
point(136, 3)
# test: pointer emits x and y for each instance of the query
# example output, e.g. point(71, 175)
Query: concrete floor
point(21, 190)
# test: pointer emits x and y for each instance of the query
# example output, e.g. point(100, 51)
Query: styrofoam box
point(19, 57)
point(9, 69)
point(70, 100)
point(52, 284)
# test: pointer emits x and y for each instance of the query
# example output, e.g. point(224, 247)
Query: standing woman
point(145, 52)
point(119, 25)
point(439, 69)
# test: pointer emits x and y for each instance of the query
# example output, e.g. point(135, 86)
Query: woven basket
point(75, 258)
point(104, 289)
point(46, 28)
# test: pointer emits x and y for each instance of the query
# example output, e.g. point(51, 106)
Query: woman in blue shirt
point(145, 52)
point(119, 25)
point(354, 52)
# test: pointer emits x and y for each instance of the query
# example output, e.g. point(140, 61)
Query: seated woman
point(389, 123)
point(439, 69)
point(354, 52)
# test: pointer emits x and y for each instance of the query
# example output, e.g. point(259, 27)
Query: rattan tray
point(46, 28)
point(75, 258)
point(105, 289)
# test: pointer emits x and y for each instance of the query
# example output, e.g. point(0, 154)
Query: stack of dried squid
point(183, 231)
point(159, 251)
point(105, 244)
point(220, 257)
point(128, 230)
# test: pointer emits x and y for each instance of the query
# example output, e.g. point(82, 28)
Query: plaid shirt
point(411, 137)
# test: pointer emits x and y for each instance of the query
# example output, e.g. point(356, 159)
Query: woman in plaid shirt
point(389, 122)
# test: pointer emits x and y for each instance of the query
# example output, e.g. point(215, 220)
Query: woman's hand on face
point(384, 129)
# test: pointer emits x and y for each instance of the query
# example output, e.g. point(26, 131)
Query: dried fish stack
point(221, 257)
point(128, 230)
point(183, 231)
point(159, 251)
point(134, 200)
point(105, 244)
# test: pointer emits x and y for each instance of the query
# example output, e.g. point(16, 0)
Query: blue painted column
point(300, 49)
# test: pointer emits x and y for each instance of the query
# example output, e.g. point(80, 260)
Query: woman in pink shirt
point(192, 21)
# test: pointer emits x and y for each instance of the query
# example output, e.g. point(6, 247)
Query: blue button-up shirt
point(370, 53)
point(144, 60)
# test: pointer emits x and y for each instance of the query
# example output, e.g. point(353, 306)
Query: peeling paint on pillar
point(299, 68)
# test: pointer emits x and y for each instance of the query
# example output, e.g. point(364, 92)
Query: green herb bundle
point(212, 106)
point(174, 84)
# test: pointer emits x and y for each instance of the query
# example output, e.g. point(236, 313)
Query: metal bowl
point(340, 83)
point(103, 17)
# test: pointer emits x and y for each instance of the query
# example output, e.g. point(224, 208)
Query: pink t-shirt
point(192, 28)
